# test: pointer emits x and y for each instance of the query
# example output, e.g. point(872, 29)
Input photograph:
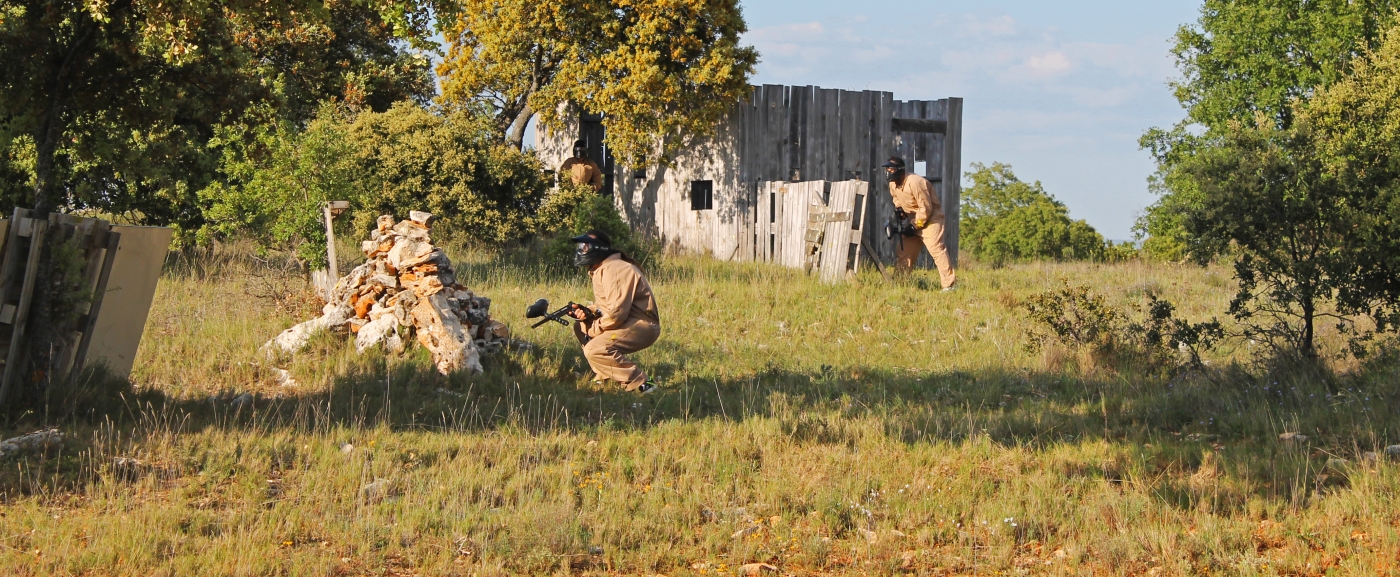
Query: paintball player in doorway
point(623, 318)
point(914, 196)
point(581, 169)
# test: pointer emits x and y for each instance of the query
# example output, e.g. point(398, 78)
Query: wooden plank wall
point(793, 134)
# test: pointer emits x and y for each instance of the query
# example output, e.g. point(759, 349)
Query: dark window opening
point(772, 207)
point(639, 174)
point(857, 215)
point(826, 193)
point(851, 256)
point(702, 195)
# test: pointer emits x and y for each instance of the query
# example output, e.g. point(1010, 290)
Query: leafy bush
point(406, 158)
point(576, 209)
point(451, 165)
point(1074, 316)
point(1082, 320)
point(1005, 219)
point(278, 179)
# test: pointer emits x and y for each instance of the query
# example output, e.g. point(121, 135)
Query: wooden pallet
point(23, 250)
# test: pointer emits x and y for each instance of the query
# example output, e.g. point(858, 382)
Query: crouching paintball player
point(914, 199)
point(623, 318)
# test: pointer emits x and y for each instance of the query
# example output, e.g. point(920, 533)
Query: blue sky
point(1061, 91)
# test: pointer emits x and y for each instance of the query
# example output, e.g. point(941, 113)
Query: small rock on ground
point(37, 442)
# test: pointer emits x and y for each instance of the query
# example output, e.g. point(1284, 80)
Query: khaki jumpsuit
point(628, 322)
point(583, 171)
point(916, 197)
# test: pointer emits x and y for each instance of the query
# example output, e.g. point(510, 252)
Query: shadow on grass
point(545, 389)
point(1123, 429)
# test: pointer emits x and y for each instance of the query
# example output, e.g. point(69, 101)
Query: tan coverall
point(916, 197)
point(584, 171)
point(628, 321)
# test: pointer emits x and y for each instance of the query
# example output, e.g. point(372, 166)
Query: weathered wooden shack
point(725, 195)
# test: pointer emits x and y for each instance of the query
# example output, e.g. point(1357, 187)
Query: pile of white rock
point(405, 288)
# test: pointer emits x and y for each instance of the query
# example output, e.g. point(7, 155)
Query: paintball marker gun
point(899, 225)
point(537, 310)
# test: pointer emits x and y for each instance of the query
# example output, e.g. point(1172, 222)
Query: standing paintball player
point(914, 196)
point(581, 169)
point(623, 318)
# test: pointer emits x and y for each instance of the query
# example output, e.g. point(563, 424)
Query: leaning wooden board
point(127, 301)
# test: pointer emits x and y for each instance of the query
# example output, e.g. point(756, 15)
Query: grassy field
point(866, 428)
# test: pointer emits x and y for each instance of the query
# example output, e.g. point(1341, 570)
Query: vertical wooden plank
point(99, 291)
point(776, 190)
point(796, 130)
point(831, 167)
point(774, 134)
point(952, 177)
point(881, 206)
point(331, 262)
point(837, 233)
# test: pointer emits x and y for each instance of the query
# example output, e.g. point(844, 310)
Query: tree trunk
point(1309, 317)
point(46, 146)
point(44, 336)
point(515, 136)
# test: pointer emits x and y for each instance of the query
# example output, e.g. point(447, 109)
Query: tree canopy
point(1240, 59)
point(653, 69)
point(1006, 219)
point(110, 104)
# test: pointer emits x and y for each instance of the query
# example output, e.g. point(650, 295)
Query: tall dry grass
point(867, 428)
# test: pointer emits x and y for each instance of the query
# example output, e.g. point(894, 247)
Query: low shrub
point(1081, 320)
point(576, 209)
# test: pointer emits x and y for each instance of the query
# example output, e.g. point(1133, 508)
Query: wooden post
point(952, 178)
point(331, 265)
point(331, 210)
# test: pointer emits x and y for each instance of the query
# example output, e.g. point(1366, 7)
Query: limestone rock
point(41, 441)
point(408, 253)
point(376, 332)
point(444, 336)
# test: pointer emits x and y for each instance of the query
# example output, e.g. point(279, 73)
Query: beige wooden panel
point(797, 205)
point(130, 291)
point(838, 235)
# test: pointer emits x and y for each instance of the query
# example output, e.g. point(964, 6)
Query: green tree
point(111, 103)
point(651, 68)
point(1240, 59)
point(1265, 194)
point(1005, 219)
point(1356, 122)
point(449, 164)
point(406, 158)
point(277, 179)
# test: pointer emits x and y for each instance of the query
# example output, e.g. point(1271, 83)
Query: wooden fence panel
point(837, 230)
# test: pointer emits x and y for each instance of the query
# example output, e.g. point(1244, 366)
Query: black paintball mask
point(580, 149)
point(897, 164)
point(591, 248)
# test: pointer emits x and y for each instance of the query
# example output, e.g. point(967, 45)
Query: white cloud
point(992, 27)
point(1050, 63)
point(802, 32)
